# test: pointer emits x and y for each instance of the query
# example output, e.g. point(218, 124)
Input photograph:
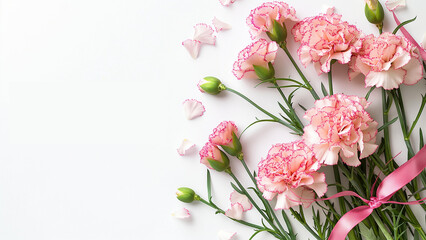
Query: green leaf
point(422, 143)
point(369, 92)
point(324, 90)
point(387, 124)
point(209, 186)
point(236, 188)
point(302, 107)
point(402, 24)
point(367, 233)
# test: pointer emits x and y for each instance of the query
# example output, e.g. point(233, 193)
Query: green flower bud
point(211, 85)
point(185, 194)
point(374, 12)
point(264, 73)
point(278, 33)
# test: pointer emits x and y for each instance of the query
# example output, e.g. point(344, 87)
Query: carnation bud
point(264, 73)
point(278, 32)
point(214, 158)
point(374, 12)
point(211, 85)
point(235, 149)
point(185, 194)
point(220, 165)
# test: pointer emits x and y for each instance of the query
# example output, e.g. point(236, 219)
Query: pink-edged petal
point(219, 25)
point(226, 2)
point(352, 161)
point(193, 47)
point(414, 71)
point(185, 147)
point(391, 5)
point(235, 212)
point(204, 34)
point(224, 235)
point(241, 199)
point(369, 148)
point(193, 108)
point(319, 185)
point(387, 79)
point(181, 213)
point(424, 41)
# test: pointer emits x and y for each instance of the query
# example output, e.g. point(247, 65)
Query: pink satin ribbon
point(410, 38)
point(387, 188)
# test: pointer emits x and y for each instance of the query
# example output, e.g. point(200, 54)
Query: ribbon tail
point(349, 221)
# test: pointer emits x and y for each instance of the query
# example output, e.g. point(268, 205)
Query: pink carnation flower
point(289, 172)
point(387, 61)
point(260, 18)
point(340, 124)
point(259, 53)
point(212, 153)
point(324, 38)
point(222, 134)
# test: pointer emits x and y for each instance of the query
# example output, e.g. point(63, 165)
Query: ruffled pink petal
point(351, 161)
point(369, 148)
point(193, 47)
point(387, 79)
point(391, 5)
point(193, 108)
point(224, 235)
point(226, 2)
point(219, 25)
point(185, 147)
point(319, 185)
point(235, 212)
point(294, 197)
point(424, 41)
point(204, 34)
point(414, 71)
point(181, 213)
point(240, 199)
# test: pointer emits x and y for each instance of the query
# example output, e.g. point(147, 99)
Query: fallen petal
point(193, 47)
point(193, 108)
point(185, 146)
point(204, 34)
point(219, 25)
point(391, 5)
point(181, 213)
point(226, 2)
point(235, 212)
point(224, 235)
point(240, 199)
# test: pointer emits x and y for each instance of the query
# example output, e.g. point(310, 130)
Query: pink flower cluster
point(387, 61)
point(259, 53)
point(324, 38)
point(261, 18)
point(289, 172)
point(339, 125)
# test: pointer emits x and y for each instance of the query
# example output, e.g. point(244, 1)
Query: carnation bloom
point(213, 158)
point(387, 61)
point(259, 53)
point(340, 124)
point(289, 172)
point(222, 134)
point(324, 38)
point(261, 18)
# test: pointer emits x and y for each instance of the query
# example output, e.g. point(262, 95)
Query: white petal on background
point(181, 213)
point(240, 199)
point(219, 25)
point(235, 212)
point(193, 47)
point(204, 34)
point(226, 2)
point(193, 108)
point(185, 146)
point(224, 235)
point(424, 41)
point(391, 5)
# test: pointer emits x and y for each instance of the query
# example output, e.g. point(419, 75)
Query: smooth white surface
point(91, 114)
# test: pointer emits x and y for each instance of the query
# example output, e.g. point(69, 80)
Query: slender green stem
point(381, 226)
point(290, 107)
point(339, 189)
point(308, 85)
point(297, 131)
point(330, 81)
point(386, 136)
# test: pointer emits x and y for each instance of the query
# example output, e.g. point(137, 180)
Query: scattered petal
point(185, 146)
point(224, 235)
point(193, 108)
point(235, 212)
point(391, 5)
point(193, 47)
point(226, 2)
point(240, 199)
point(204, 34)
point(219, 25)
point(181, 213)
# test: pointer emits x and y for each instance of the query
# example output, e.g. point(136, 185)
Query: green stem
point(308, 85)
point(297, 131)
point(330, 81)
point(290, 107)
point(385, 108)
point(339, 189)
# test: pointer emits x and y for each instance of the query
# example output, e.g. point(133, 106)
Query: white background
point(91, 114)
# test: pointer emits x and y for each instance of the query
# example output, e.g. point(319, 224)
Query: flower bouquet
point(373, 191)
